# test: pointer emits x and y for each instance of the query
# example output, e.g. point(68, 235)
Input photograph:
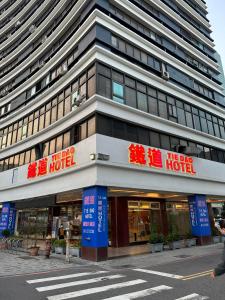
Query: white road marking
point(193, 297)
point(159, 273)
point(66, 277)
point(96, 290)
point(79, 282)
point(141, 294)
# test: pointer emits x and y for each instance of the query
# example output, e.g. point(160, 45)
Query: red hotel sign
point(56, 162)
point(154, 158)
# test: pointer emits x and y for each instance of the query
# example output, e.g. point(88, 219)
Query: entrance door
point(141, 216)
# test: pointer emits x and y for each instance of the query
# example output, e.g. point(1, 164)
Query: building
point(221, 76)
point(111, 120)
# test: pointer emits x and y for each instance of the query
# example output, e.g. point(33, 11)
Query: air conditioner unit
point(164, 74)
point(32, 28)
point(63, 69)
point(18, 23)
point(76, 100)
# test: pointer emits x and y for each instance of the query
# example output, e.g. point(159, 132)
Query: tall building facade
point(111, 120)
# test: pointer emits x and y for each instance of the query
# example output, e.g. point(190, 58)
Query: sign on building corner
point(48, 165)
point(155, 158)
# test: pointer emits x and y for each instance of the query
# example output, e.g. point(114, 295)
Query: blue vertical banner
point(199, 216)
point(8, 217)
point(95, 217)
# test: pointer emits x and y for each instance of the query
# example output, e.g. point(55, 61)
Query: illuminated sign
point(56, 162)
point(154, 158)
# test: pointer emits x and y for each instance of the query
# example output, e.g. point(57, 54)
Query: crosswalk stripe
point(159, 273)
point(65, 277)
point(80, 282)
point(193, 297)
point(141, 294)
point(96, 290)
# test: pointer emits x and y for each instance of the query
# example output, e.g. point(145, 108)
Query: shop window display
point(141, 216)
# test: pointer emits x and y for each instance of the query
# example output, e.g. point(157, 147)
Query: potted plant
point(75, 248)
point(215, 235)
point(34, 248)
point(189, 240)
point(60, 246)
point(156, 242)
point(174, 241)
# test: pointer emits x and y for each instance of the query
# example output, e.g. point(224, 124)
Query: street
point(185, 279)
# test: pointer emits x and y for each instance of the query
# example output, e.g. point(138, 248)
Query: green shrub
point(6, 233)
point(172, 237)
point(60, 243)
point(156, 238)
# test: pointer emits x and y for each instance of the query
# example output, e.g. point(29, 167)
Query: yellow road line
point(196, 275)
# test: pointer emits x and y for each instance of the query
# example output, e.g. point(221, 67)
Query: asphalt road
point(184, 280)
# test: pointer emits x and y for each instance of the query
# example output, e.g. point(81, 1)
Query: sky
point(216, 9)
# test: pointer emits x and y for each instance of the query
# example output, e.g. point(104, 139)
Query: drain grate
point(183, 256)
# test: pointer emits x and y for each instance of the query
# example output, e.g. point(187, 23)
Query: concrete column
point(199, 218)
point(95, 223)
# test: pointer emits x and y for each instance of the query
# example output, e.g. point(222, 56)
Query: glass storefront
point(178, 216)
point(141, 216)
point(69, 216)
point(33, 222)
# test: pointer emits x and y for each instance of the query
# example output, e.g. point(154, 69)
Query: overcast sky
point(216, 9)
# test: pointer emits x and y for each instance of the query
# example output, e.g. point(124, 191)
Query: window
point(118, 92)
point(131, 97)
point(154, 139)
point(153, 106)
point(142, 101)
point(91, 126)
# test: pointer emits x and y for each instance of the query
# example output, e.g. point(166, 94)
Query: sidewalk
point(22, 263)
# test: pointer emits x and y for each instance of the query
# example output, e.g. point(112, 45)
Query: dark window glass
point(104, 86)
point(189, 119)
point(143, 136)
point(181, 116)
point(132, 133)
point(201, 154)
point(165, 142)
point(222, 131)
point(210, 127)
point(104, 125)
point(117, 76)
point(216, 129)
point(163, 110)
point(214, 155)
point(220, 156)
point(207, 153)
point(46, 149)
point(174, 142)
point(119, 129)
point(152, 92)
point(197, 122)
point(142, 101)
point(153, 106)
point(130, 82)
point(130, 97)
point(154, 139)
point(204, 125)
